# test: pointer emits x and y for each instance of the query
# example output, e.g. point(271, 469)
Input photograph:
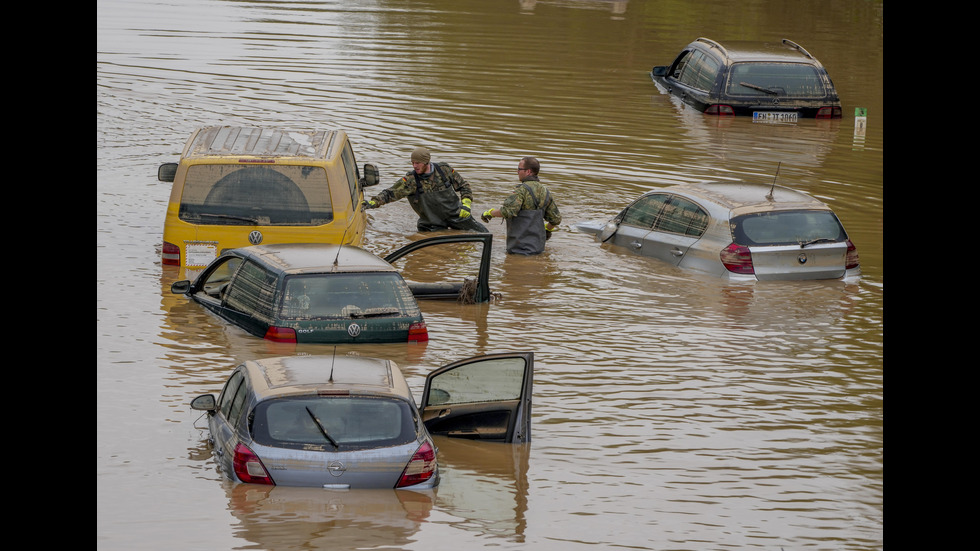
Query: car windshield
point(225, 194)
point(794, 80)
point(333, 422)
point(347, 295)
point(802, 227)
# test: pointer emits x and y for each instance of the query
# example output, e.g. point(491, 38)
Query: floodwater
point(672, 410)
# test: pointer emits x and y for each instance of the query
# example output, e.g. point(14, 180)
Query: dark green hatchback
point(313, 293)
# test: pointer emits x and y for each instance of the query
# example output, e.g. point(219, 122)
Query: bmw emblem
point(802, 258)
point(353, 329)
point(255, 237)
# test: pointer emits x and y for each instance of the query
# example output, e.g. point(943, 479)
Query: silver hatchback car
point(735, 230)
point(349, 422)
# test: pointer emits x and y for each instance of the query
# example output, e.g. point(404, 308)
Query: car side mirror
point(181, 287)
point(371, 177)
point(205, 402)
point(167, 172)
point(659, 70)
point(608, 231)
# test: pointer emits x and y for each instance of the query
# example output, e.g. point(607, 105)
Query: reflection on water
point(671, 409)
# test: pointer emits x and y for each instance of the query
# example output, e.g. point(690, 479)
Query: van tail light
point(738, 259)
point(418, 332)
point(829, 113)
point(280, 334)
point(171, 254)
point(720, 109)
point(420, 468)
point(249, 468)
point(851, 260)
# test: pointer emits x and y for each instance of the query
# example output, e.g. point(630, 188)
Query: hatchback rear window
point(347, 295)
point(279, 195)
point(794, 80)
point(352, 422)
point(787, 228)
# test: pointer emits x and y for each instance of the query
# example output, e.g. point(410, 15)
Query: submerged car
point(311, 293)
point(347, 422)
point(779, 82)
point(237, 186)
point(734, 230)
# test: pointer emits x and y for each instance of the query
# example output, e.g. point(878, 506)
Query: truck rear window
point(280, 195)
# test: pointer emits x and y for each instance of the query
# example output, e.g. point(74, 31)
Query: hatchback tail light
point(418, 332)
point(720, 109)
point(280, 334)
point(738, 259)
point(851, 260)
point(171, 254)
point(249, 468)
point(828, 113)
point(420, 468)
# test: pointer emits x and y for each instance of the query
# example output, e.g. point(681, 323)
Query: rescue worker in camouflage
point(531, 213)
point(438, 194)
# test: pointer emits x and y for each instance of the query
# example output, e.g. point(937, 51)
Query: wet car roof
point(259, 142)
point(741, 198)
point(294, 375)
point(740, 51)
point(319, 258)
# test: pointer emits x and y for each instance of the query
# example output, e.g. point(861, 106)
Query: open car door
point(450, 290)
point(481, 398)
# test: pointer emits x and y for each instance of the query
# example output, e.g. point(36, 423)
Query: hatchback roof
point(260, 142)
point(743, 50)
point(318, 258)
point(295, 375)
point(744, 197)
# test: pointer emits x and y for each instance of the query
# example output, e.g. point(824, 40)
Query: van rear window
point(280, 195)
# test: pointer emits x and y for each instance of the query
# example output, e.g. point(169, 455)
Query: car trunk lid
point(818, 261)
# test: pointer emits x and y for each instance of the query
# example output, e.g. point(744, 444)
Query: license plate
point(774, 116)
point(200, 254)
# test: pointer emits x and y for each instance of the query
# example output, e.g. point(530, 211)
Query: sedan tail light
point(171, 254)
point(249, 468)
point(851, 260)
point(418, 332)
point(738, 259)
point(720, 109)
point(420, 468)
point(280, 334)
point(828, 113)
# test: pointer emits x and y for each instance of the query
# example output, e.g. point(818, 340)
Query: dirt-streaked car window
point(788, 228)
point(644, 212)
point(700, 72)
point(682, 216)
point(775, 79)
point(252, 291)
point(487, 381)
point(228, 394)
point(345, 296)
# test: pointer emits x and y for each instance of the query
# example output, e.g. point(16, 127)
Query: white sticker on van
point(200, 254)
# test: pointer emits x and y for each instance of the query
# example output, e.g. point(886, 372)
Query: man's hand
point(370, 204)
point(487, 215)
point(465, 211)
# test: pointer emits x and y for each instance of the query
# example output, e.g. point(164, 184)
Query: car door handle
point(444, 412)
point(636, 244)
point(219, 451)
point(676, 252)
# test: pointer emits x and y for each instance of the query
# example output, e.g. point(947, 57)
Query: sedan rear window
point(788, 228)
point(795, 80)
point(346, 296)
point(280, 195)
point(334, 422)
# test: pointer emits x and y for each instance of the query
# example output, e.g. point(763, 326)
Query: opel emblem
point(336, 468)
point(353, 329)
point(255, 237)
point(801, 258)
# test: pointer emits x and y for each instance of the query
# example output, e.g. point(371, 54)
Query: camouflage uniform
point(434, 198)
point(525, 211)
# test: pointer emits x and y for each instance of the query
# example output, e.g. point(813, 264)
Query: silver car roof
point(742, 198)
point(310, 375)
point(319, 258)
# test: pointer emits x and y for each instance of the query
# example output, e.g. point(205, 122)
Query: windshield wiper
point(320, 426)
point(253, 221)
point(817, 240)
point(378, 314)
point(759, 88)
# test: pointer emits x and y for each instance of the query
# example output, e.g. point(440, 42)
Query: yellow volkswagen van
point(240, 186)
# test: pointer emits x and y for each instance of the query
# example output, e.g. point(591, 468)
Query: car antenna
point(332, 361)
point(773, 188)
point(340, 246)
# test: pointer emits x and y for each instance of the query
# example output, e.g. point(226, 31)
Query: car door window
point(700, 72)
point(217, 279)
point(252, 291)
point(678, 67)
point(645, 211)
point(682, 216)
point(350, 167)
point(228, 393)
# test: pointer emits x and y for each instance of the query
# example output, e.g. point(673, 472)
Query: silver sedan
point(736, 231)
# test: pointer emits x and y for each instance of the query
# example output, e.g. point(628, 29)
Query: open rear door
point(481, 398)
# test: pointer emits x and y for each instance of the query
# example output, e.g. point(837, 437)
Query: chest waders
point(525, 232)
point(438, 209)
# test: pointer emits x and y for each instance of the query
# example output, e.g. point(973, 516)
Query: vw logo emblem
point(353, 329)
point(802, 258)
point(336, 468)
point(255, 237)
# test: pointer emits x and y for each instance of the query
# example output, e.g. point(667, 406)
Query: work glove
point(465, 211)
point(370, 204)
point(548, 232)
point(487, 215)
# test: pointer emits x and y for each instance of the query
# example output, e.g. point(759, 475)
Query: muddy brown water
point(671, 410)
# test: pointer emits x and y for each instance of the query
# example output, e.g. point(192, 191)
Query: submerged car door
point(638, 230)
point(481, 398)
